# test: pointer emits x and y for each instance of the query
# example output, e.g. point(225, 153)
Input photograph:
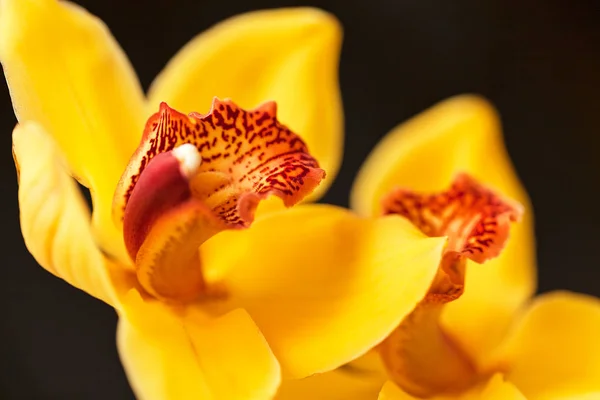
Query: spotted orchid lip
point(195, 175)
point(475, 219)
point(476, 222)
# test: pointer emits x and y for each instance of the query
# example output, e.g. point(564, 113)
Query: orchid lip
point(198, 174)
point(476, 221)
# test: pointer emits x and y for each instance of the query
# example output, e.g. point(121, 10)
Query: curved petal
point(286, 55)
point(553, 352)
point(322, 284)
point(461, 134)
point(496, 388)
point(55, 220)
point(65, 71)
point(182, 354)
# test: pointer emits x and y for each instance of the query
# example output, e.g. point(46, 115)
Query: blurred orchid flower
point(207, 309)
point(476, 334)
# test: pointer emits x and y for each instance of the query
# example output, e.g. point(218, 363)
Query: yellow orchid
point(492, 341)
point(207, 310)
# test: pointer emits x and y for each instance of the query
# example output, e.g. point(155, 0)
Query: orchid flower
point(477, 334)
point(209, 307)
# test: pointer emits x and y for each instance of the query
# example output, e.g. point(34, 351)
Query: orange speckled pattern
point(475, 219)
point(246, 155)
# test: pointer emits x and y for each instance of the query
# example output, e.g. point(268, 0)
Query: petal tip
point(453, 130)
point(472, 104)
point(269, 107)
point(325, 20)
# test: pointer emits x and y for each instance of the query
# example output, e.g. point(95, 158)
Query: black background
point(538, 61)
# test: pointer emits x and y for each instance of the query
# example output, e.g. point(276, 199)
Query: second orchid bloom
point(476, 334)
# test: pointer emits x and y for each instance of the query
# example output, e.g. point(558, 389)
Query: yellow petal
point(392, 392)
point(496, 388)
point(587, 396)
point(338, 384)
point(286, 55)
point(462, 134)
point(322, 284)
point(182, 354)
point(554, 349)
point(65, 71)
point(361, 379)
point(55, 220)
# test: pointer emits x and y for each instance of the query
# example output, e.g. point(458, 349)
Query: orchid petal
point(183, 354)
point(361, 379)
point(553, 351)
point(66, 72)
point(55, 220)
point(289, 56)
point(323, 285)
point(333, 385)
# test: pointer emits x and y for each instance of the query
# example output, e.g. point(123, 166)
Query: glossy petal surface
point(289, 56)
point(66, 72)
point(462, 134)
point(323, 285)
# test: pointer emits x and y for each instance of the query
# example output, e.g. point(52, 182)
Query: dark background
point(538, 61)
